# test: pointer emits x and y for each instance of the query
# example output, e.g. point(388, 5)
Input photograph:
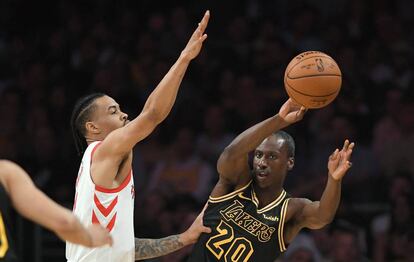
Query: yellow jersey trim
point(283, 212)
point(271, 205)
point(229, 195)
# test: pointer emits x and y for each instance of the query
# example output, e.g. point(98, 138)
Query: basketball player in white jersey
point(17, 190)
point(104, 188)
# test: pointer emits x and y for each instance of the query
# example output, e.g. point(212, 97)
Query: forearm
point(46, 212)
point(164, 95)
point(150, 248)
point(330, 200)
point(252, 137)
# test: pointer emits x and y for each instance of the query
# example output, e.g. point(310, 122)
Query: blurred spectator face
point(185, 142)
point(393, 102)
point(406, 116)
point(344, 247)
point(238, 30)
point(8, 149)
point(301, 255)
point(401, 211)
point(213, 120)
point(58, 98)
point(399, 186)
point(322, 240)
point(409, 251)
point(154, 204)
point(398, 245)
point(341, 129)
point(10, 113)
point(36, 75)
point(45, 144)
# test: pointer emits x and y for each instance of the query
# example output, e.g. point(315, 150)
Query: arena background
point(53, 52)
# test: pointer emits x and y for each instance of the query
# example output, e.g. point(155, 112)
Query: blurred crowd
point(53, 52)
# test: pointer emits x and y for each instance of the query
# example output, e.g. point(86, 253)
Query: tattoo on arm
point(149, 248)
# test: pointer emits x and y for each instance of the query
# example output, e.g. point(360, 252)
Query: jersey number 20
point(240, 250)
point(4, 245)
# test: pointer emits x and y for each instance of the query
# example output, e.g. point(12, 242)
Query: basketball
point(313, 79)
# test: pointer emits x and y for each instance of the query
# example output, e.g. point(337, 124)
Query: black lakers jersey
point(240, 230)
point(6, 249)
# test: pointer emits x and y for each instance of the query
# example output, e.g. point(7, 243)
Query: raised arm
point(317, 214)
point(36, 206)
point(160, 101)
point(150, 248)
point(232, 165)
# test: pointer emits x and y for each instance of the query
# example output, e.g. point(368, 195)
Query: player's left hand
point(191, 235)
point(195, 43)
point(339, 163)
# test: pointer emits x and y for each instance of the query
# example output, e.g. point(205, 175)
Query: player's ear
point(291, 163)
point(92, 128)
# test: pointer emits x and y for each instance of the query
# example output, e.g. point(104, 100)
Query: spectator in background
point(392, 230)
point(49, 47)
point(214, 138)
point(302, 249)
point(183, 171)
point(345, 243)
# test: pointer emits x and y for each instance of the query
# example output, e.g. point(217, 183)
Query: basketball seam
point(299, 77)
point(307, 59)
point(287, 74)
point(291, 96)
point(310, 95)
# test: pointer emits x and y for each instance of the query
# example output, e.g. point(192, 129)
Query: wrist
point(184, 239)
point(280, 121)
point(331, 178)
point(184, 58)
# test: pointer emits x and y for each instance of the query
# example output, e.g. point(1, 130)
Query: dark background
point(53, 52)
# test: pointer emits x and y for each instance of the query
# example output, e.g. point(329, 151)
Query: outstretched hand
point(291, 111)
point(195, 43)
point(191, 235)
point(339, 163)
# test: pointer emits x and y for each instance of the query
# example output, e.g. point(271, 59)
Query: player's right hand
point(195, 43)
point(99, 236)
point(291, 111)
point(191, 235)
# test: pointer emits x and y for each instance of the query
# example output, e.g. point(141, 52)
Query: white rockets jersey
point(112, 208)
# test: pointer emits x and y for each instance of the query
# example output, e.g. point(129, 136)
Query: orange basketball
point(313, 79)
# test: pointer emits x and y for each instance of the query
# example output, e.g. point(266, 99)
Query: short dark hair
point(80, 115)
point(290, 143)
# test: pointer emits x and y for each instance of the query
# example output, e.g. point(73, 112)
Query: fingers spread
point(334, 154)
point(346, 144)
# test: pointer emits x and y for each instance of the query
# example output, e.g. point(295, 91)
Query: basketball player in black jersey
point(251, 216)
point(17, 190)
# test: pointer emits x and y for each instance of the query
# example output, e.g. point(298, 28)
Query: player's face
point(108, 115)
point(271, 162)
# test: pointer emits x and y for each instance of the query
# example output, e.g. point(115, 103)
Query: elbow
point(154, 115)
point(228, 153)
point(225, 158)
point(325, 221)
point(319, 222)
